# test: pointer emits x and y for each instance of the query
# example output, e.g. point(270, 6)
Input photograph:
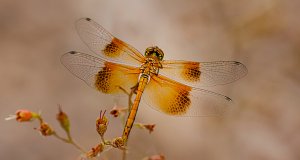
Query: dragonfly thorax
point(150, 66)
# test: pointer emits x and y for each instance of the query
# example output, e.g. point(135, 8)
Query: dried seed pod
point(101, 124)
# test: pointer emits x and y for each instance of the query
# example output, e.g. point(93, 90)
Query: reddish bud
point(95, 151)
point(63, 120)
point(149, 127)
point(118, 143)
point(116, 111)
point(45, 129)
point(101, 124)
point(23, 115)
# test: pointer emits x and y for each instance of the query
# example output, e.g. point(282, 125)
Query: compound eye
point(156, 54)
point(159, 56)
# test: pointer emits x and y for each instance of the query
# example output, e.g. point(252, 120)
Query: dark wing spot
point(191, 73)
point(102, 82)
point(181, 104)
point(88, 19)
point(72, 52)
point(112, 49)
point(237, 63)
point(228, 99)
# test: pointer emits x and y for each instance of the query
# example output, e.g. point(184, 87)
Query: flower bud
point(95, 151)
point(23, 115)
point(63, 120)
point(117, 111)
point(149, 127)
point(45, 129)
point(101, 124)
point(118, 143)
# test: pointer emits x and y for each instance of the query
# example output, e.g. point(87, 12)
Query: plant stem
point(69, 140)
point(129, 96)
point(124, 155)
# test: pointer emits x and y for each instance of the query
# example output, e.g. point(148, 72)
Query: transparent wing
point(199, 74)
point(102, 75)
point(173, 98)
point(107, 46)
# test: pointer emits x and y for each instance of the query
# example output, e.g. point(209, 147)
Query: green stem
point(70, 141)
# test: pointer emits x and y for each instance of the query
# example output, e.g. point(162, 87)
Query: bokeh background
point(262, 34)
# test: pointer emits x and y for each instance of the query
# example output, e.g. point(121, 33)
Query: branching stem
point(69, 140)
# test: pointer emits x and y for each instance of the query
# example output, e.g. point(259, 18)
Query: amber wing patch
point(191, 73)
point(113, 49)
point(102, 75)
point(111, 77)
point(179, 105)
point(100, 41)
point(199, 74)
point(168, 97)
point(174, 98)
point(102, 80)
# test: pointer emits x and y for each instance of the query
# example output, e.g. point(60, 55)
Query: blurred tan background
point(262, 34)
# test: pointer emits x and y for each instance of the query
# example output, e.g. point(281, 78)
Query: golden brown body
point(133, 111)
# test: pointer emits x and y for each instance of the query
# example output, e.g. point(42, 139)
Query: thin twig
point(129, 96)
point(60, 138)
point(77, 146)
point(69, 140)
point(124, 155)
point(102, 139)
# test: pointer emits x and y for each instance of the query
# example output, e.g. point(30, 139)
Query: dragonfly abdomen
point(143, 80)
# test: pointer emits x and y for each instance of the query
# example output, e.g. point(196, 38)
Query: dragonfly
point(174, 87)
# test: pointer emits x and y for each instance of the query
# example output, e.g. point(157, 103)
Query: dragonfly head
point(154, 52)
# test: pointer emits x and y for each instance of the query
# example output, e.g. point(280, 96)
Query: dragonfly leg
point(124, 90)
point(134, 88)
point(133, 91)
